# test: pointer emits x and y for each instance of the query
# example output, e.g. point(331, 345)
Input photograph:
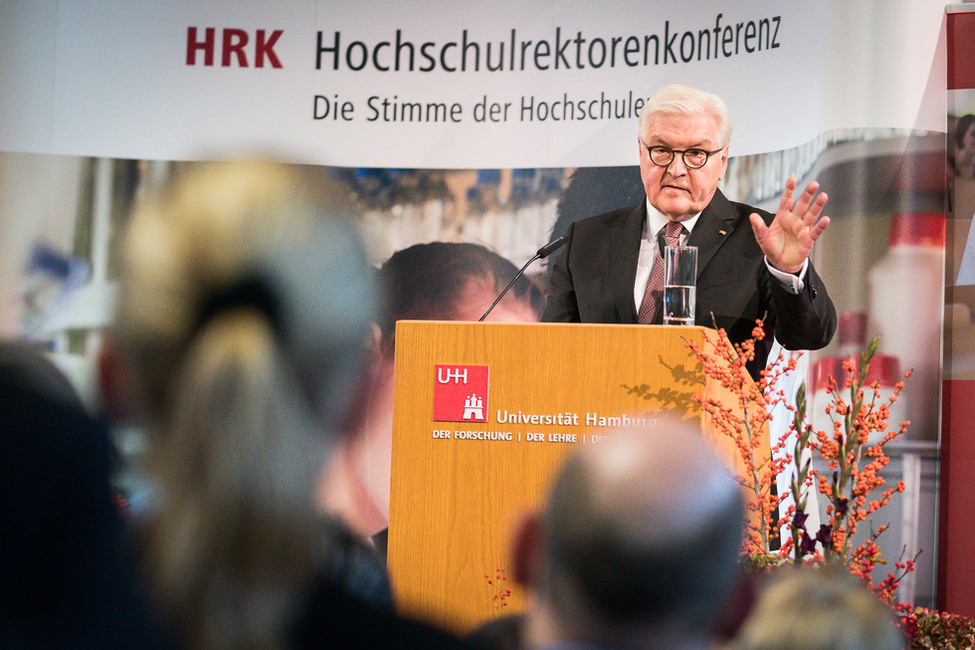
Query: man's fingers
point(818, 229)
point(785, 203)
point(806, 199)
point(758, 226)
point(817, 207)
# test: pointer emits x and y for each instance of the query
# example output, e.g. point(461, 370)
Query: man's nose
point(677, 166)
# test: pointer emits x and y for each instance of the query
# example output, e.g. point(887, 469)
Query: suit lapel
point(713, 229)
point(624, 249)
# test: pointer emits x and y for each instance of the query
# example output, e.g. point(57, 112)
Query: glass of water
point(680, 282)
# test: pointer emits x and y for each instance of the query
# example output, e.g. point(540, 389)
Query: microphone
point(542, 253)
point(548, 249)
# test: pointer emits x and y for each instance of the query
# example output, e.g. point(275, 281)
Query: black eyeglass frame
point(683, 155)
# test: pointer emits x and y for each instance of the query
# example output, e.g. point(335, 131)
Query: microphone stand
point(542, 253)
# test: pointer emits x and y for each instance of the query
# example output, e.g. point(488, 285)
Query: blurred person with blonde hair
point(819, 608)
point(245, 303)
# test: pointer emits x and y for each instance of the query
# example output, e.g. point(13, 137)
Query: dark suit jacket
point(64, 582)
point(592, 280)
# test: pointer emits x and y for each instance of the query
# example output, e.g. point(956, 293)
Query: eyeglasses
point(693, 158)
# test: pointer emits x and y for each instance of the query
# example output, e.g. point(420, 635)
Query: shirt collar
point(656, 221)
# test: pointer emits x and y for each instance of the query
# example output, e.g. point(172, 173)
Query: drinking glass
point(680, 283)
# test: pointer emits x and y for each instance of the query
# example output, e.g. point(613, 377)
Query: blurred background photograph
point(887, 240)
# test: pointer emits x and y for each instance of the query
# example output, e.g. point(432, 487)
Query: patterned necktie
point(652, 305)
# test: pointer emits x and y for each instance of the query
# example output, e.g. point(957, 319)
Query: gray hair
point(676, 99)
point(634, 540)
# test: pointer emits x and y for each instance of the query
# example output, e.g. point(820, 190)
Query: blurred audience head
point(253, 262)
point(244, 306)
point(819, 608)
point(638, 543)
point(25, 366)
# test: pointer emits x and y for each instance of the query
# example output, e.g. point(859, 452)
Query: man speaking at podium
point(751, 264)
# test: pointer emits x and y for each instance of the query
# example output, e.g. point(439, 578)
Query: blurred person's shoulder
point(66, 582)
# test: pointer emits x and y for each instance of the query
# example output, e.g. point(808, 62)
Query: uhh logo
point(460, 393)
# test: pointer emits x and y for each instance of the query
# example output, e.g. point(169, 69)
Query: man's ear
point(527, 550)
point(724, 164)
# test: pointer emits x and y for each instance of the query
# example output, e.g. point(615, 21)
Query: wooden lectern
point(523, 395)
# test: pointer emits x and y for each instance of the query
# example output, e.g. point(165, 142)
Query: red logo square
point(460, 393)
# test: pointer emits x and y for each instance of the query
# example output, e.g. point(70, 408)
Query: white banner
point(449, 84)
